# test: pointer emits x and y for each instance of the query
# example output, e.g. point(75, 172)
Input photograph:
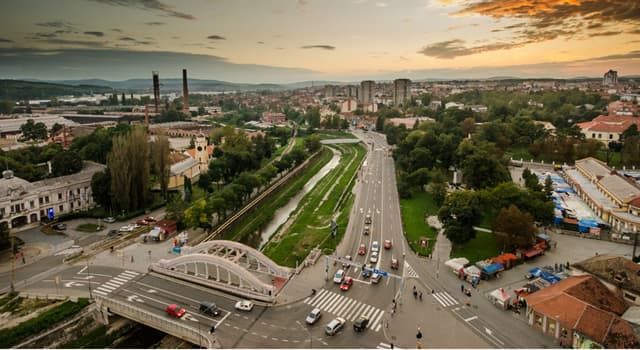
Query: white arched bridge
point(228, 266)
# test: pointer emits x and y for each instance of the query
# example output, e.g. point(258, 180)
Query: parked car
point(367, 219)
point(366, 271)
point(313, 316)
point(362, 250)
point(142, 222)
point(339, 276)
point(126, 228)
point(150, 219)
point(113, 233)
point(109, 220)
point(387, 244)
point(175, 310)
point(361, 323)
point(375, 278)
point(375, 246)
point(209, 308)
point(334, 326)
point(373, 258)
point(346, 284)
point(60, 227)
point(244, 305)
point(394, 264)
point(346, 265)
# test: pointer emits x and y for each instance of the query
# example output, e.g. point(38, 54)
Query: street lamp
point(308, 332)
point(89, 280)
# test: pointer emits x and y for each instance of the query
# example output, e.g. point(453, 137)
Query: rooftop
point(614, 269)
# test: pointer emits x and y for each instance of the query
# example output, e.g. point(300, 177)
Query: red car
point(142, 222)
point(387, 244)
point(362, 250)
point(346, 284)
point(175, 310)
point(150, 219)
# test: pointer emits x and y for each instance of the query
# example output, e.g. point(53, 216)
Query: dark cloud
point(98, 34)
point(153, 5)
point(56, 24)
point(126, 38)
point(261, 42)
point(82, 43)
point(3, 40)
point(634, 31)
point(323, 47)
point(630, 55)
point(216, 37)
point(155, 23)
point(609, 33)
point(116, 30)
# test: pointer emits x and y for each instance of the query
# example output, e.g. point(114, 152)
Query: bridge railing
point(169, 326)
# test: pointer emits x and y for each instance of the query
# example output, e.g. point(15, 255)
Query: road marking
point(333, 297)
point(343, 306)
point(410, 271)
point(337, 306)
point(445, 299)
point(84, 278)
point(470, 318)
point(73, 284)
point(100, 292)
point(346, 306)
point(488, 331)
point(106, 291)
point(134, 297)
point(121, 280)
point(111, 285)
point(376, 322)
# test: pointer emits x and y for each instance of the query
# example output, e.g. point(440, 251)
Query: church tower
point(202, 155)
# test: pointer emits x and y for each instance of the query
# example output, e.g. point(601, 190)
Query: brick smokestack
point(156, 90)
point(185, 92)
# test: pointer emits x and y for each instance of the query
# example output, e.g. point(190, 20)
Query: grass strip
point(483, 246)
point(315, 211)
point(15, 335)
point(264, 212)
point(414, 212)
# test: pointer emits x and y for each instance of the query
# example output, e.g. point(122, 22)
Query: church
point(191, 163)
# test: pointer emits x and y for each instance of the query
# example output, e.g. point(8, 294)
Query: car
point(373, 258)
point(346, 265)
point(366, 230)
point(367, 219)
point(361, 323)
point(313, 316)
point(142, 222)
point(339, 276)
point(346, 284)
point(362, 250)
point(175, 310)
point(109, 220)
point(126, 228)
point(366, 271)
point(334, 326)
point(209, 308)
point(244, 305)
point(387, 244)
point(134, 226)
point(60, 227)
point(394, 264)
point(375, 278)
point(113, 233)
point(375, 246)
point(150, 219)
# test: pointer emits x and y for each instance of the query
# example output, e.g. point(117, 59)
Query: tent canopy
point(456, 263)
point(493, 268)
point(501, 295)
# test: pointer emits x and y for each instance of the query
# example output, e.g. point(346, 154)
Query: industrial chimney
point(185, 92)
point(156, 91)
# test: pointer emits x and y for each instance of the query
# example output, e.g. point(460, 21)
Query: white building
point(610, 78)
point(457, 105)
point(349, 105)
point(23, 202)
point(367, 91)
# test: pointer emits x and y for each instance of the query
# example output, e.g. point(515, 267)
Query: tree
point(480, 165)
point(313, 118)
point(175, 208)
point(516, 227)
point(459, 213)
point(548, 184)
point(129, 166)
point(380, 123)
point(312, 143)
point(56, 127)
point(101, 188)
point(160, 163)
point(6, 106)
point(65, 163)
point(33, 131)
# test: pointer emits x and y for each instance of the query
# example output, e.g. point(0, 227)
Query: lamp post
point(308, 332)
point(89, 280)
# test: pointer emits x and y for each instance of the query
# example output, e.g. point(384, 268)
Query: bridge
point(228, 266)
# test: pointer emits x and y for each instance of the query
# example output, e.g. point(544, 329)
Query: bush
point(12, 336)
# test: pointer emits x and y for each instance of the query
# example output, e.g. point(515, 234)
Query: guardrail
point(169, 326)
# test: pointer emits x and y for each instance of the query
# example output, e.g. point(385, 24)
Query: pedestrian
point(213, 329)
point(462, 288)
point(391, 345)
point(432, 291)
point(420, 296)
point(24, 261)
point(132, 259)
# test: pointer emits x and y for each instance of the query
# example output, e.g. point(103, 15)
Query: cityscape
point(319, 173)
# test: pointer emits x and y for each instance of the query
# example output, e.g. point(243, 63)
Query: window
point(593, 136)
point(60, 208)
point(2, 211)
point(631, 297)
point(70, 205)
point(46, 199)
point(32, 204)
point(40, 200)
point(610, 136)
point(78, 191)
point(59, 196)
point(538, 320)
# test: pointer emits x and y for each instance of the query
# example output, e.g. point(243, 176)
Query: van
point(209, 308)
point(394, 264)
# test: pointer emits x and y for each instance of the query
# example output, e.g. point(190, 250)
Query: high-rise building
point(610, 78)
point(401, 91)
point(351, 91)
point(367, 91)
point(329, 90)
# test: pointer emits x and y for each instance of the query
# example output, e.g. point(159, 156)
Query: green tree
point(101, 188)
point(516, 227)
point(175, 208)
point(459, 213)
point(33, 131)
point(6, 106)
point(313, 117)
point(129, 166)
point(380, 123)
point(548, 184)
point(312, 143)
point(56, 127)
point(160, 163)
point(480, 165)
point(65, 163)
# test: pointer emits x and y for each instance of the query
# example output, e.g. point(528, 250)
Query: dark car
point(60, 227)
point(361, 323)
point(113, 233)
point(207, 307)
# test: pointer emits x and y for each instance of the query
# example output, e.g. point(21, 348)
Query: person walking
point(462, 288)
point(213, 329)
point(420, 295)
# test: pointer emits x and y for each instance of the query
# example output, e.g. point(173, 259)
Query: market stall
point(500, 298)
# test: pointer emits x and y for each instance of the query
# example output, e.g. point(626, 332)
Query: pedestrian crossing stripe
point(385, 346)
point(348, 308)
point(115, 282)
point(410, 272)
point(445, 299)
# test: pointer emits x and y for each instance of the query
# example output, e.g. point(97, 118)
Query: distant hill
point(18, 90)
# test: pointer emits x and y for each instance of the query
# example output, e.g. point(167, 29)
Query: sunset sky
point(295, 40)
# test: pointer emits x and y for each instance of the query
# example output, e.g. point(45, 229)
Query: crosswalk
point(386, 346)
point(115, 282)
point(410, 272)
point(348, 308)
point(445, 299)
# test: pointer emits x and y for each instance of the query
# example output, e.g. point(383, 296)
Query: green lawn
point(89, 227)
point(332, 134)
point(483, 246)
point(316, 209)
point(414, 212)
point(518, 153)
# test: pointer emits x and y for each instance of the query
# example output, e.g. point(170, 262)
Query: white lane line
point(109, 288)
point(353, 310)
point(327, 300)
point(121, 280)
point(442, 302)
point(131, 273)
point(100, 292)
point(335, 302)
point(470, 318)
point(338, 305)
point(103, 290)
point(357, 311)
point(345, 307)
point(450, 298)
point(366, 310)
point(317, 297)
point(372, 317)
point(378, 319)
point(109, 285)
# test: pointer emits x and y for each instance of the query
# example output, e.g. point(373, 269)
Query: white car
point(109, 220)
point(374, 258)
point(244, 305)
point(313, 316)
point(334, 326)
point(375, 246)
point(126, 228)
point(339, 276)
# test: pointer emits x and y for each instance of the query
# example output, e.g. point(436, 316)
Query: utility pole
point(89, 280)
point(13, 263)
